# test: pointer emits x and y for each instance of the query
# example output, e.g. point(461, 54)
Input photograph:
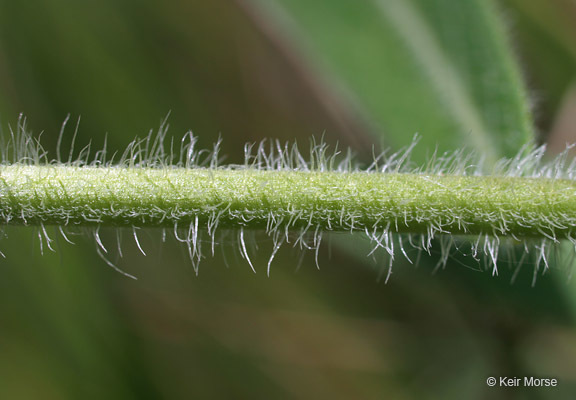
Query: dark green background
point(73, 328)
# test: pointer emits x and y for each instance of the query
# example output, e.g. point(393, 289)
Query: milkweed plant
point(452, 202)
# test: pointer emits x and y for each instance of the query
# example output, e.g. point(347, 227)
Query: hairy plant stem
point(264, 199)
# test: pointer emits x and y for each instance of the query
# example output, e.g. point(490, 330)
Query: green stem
point(251, 198)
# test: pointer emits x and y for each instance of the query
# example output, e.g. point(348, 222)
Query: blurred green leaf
point(441, 68)
point(546, 37)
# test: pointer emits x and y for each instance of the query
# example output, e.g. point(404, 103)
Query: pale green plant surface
point(284, 200)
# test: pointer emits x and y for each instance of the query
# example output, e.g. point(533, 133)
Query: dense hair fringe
point(485, 251)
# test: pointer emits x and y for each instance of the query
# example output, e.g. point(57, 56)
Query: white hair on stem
point(161, 165)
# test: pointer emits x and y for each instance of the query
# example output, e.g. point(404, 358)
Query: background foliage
point(362, 74)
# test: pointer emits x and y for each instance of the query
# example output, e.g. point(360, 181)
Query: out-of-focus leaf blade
point(546, 36)
point(440, 68)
